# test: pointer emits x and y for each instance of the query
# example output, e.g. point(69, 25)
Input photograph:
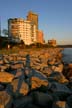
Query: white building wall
point(25, 30)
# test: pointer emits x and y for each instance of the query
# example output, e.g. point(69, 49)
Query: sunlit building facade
point(52, 42)
point(33, 17)
point(22, 29)
point(40, 37)
point(15, 27)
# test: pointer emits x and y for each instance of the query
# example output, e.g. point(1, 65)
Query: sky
point(55, 16)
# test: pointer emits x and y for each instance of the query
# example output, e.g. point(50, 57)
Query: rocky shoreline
point(35, 79)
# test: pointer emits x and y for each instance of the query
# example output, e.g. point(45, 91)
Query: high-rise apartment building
point(15, 27)
point(33, 17)
point(26, 30)
point(22, 29)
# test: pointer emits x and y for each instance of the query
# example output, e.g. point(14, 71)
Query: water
point(67, 55)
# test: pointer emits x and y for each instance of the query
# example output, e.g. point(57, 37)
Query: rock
point(2, 87)
point(14, 57)
point(35, 65)
point(59, 55)
point(3, 67)
point(17, 66)
point(31, 105)
point(46, 55)
point(5, 60)
point(43, 59)
point(69, 101)
point(27, 72)
point(18, 73)
point(42, 99)
point(19, 86)
point(38, 66)
point(38, 74)
point(22, 102)
point(6, 77)
point(57, 67)
point(35, 77)
point(38, 63)
point(70, 84)
point(24, 88)
point(60, 90)
point(60, 104)
point(5, 100)
point(37, 82)
point(67, 71)
point(47, 71)
point(10, 58)
point(27, 60)
point(59, 77)
point(19, 58)
point(51, 62)
point(57, 87)
point(9, 89)
point(1, 62)
point(37, 60)
point(70, 65)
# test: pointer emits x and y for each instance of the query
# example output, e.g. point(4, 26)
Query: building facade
point(33, 17)
point(52, 42)
point(22, 29)
point(40, 38)
point(15, 27)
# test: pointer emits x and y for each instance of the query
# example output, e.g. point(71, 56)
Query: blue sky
point(55, 16)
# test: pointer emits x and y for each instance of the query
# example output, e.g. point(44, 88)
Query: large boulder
point(37, 82)
point(47, 71)
point(34, 78)
point(59, 77)
point(5, 100)
point(70, 65)
point(67, 70)
point(5, 60)
point(57, 67)
point(42, 99)
point(57, 87)
point(19, 86)
point(17, 66)
point(10, 58)
point(60, 104)
point(4, 67)
point(6, 77)
point(69, 101)
point(38, 74)
point(60, 90)
point(1, 62)
point(18, 73)
point(51, 61)
point(31, 105)
point(22, 102)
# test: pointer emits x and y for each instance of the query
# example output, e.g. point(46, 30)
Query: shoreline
point(35, 78)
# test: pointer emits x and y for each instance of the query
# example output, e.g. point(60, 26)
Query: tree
point(5, 32)
point(22, 42)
